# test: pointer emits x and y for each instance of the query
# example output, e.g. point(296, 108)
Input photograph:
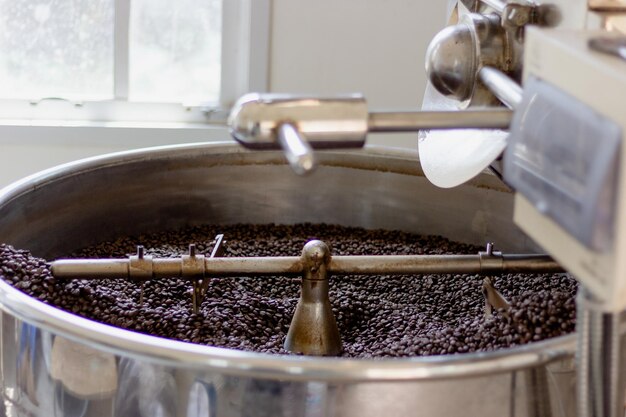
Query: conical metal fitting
point(313, 329)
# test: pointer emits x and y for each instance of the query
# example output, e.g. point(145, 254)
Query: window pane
point(175, 50)
point(56, 48)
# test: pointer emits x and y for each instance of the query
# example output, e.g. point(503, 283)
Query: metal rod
point(600, 358)
point(265, 265)
point(98, 268)
point(414, 121)
point(297, 150)
point(502, 86)
point(405, 264)
point(529, 264)
point(292, 266)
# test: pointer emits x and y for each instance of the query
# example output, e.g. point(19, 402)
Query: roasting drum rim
point(259, 365)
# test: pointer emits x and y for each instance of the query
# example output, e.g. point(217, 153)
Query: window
point(175, 51)
point(130, 60)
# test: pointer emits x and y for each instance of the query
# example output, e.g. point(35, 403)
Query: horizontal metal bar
point(90, 268)
point(293, 266)
point(405, 264)
point(530, 264)
point(269, 265)
point(424, 120)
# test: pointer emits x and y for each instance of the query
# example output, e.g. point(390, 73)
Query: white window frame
point(245, 61)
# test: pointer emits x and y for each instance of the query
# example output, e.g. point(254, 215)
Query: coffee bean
point(378, 316)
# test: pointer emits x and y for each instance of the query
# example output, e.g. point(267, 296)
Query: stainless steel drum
point(58, 364)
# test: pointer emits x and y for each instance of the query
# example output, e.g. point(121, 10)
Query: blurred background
point(85, 77)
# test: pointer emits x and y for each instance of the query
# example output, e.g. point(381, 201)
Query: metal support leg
point(313, 329)
point(600, 358)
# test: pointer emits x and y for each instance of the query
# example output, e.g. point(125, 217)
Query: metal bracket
point(491, 261)
point(192, 266)
point(140, 266)
point(516, 15)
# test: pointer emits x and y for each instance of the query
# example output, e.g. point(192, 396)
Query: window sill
point(118, 134)
point(28, 146)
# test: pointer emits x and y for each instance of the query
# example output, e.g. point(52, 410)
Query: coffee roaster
point(522, 96)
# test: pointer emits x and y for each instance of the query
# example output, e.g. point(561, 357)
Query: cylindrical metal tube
point(503, 87)
point(530, 264)
point(167, 267)
point(90, 268)
point(292, 266)
point(414, 121)
point(266, 265)
point(297, 150)
point(340, 122)
point(335, 122)
point(405, 264)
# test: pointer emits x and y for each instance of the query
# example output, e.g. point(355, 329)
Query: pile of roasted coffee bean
point(381, 316)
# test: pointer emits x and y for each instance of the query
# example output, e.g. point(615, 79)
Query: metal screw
point(140, 251)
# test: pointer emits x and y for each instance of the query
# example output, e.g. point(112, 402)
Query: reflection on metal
point(145, 389)
point(27, 362)
point(201, 402)
point(452, 61)
point(456, 54)
point(68, 360)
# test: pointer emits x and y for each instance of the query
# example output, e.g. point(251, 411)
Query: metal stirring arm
point(313, 329)
point(147, 267)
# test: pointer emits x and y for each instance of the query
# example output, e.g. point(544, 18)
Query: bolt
point(489, 248)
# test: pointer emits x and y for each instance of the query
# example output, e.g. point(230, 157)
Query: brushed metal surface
point(60, 210)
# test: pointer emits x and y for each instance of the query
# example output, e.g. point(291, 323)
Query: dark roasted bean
point(377, 316)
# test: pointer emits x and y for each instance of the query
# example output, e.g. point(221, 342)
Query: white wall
point(375, 47)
